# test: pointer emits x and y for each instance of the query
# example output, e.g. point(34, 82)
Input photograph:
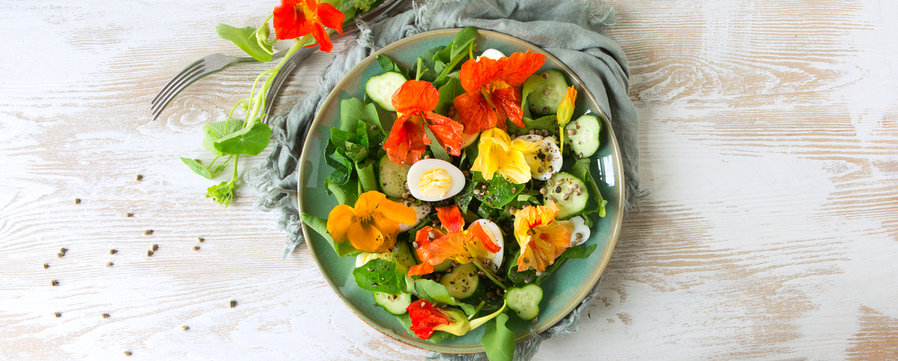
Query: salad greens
point(458, 249)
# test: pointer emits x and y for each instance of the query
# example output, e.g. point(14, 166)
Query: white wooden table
point(769, 141)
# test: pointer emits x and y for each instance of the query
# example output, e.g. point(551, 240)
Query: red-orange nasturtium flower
point(415, 101)
point(370, 226)
point(295, 18)
point(540, 236)
point(433, 246)
point(426, 318)
point(493, 91)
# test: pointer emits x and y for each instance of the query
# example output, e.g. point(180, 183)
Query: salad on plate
point(462, 184)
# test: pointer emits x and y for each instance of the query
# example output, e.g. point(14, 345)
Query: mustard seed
point(149, 253)
point(200, 239)
point(109, 264)
point(155, 247)
point(185, 327)
point(113, 251)
point(196, 248)
point(77, 200)
point(46, 266)
point(148, 232)
point(129, 214)
point(233, 303)
point(105, 315)
point(127, 353)
point(54, 283)
point(139, 177)
point(57, 314)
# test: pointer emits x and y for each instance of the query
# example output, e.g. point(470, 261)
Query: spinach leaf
point(320, 225)
point(353, 111)
point(462, 40)
point(433, 292)
point(498, 340)
point(251, 40)
point(250, 141)
point(436, 148)
point(448, 92)
point(389, 65)
point(580, 169)
point(463, 199)
point(379, 275)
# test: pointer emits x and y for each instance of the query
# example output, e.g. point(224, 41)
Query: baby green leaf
point(245, 39)
point(434, 292)
point(498, 340)
point(389, 65)
point(320, 225)
point(379, 275)
point(461, 41)
point(197, 168)
point(251, 141)
point(448, 92)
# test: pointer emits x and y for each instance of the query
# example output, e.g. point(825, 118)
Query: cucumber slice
point(462, 281)
point(403, 255)
point(442, 267)
point(525, 300)
point(392, 177)
point(380, 89)
point(395, 304)
point(568, 192)
point(583, 135)
point(546, 97)
point(421, 211)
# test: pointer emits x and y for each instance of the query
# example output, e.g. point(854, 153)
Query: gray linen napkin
point(573, 31)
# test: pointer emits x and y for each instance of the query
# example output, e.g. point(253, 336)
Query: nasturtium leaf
point(212, 132)
point(250, 141)
point(245, 38)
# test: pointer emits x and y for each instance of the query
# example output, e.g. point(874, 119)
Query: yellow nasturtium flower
point(496, 152)
point(541, 238)
point(565, 111)
point(370, 226)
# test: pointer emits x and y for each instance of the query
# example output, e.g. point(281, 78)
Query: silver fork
point(204, 66)
point(216, 62)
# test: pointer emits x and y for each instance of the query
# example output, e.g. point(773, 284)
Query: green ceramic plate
point(567, 287)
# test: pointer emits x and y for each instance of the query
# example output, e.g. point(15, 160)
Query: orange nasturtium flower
point(295, 18)
point(493, 90)
point(415, 101)
point(370, 226)
point(541, 237)
point(433, 246)
point(496, 152)
point(426, 318)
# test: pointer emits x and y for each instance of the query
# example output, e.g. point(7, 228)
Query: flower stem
point(489, 274)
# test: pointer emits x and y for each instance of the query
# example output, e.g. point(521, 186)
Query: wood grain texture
point(769, 142)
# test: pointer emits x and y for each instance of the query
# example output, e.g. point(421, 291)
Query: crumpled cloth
point(572, 30)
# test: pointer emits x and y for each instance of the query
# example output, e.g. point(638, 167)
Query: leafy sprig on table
point(247, 135)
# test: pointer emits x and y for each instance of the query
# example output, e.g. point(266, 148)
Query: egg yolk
point(435, 183)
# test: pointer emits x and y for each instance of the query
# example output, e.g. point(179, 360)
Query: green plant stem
point(489, 274)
